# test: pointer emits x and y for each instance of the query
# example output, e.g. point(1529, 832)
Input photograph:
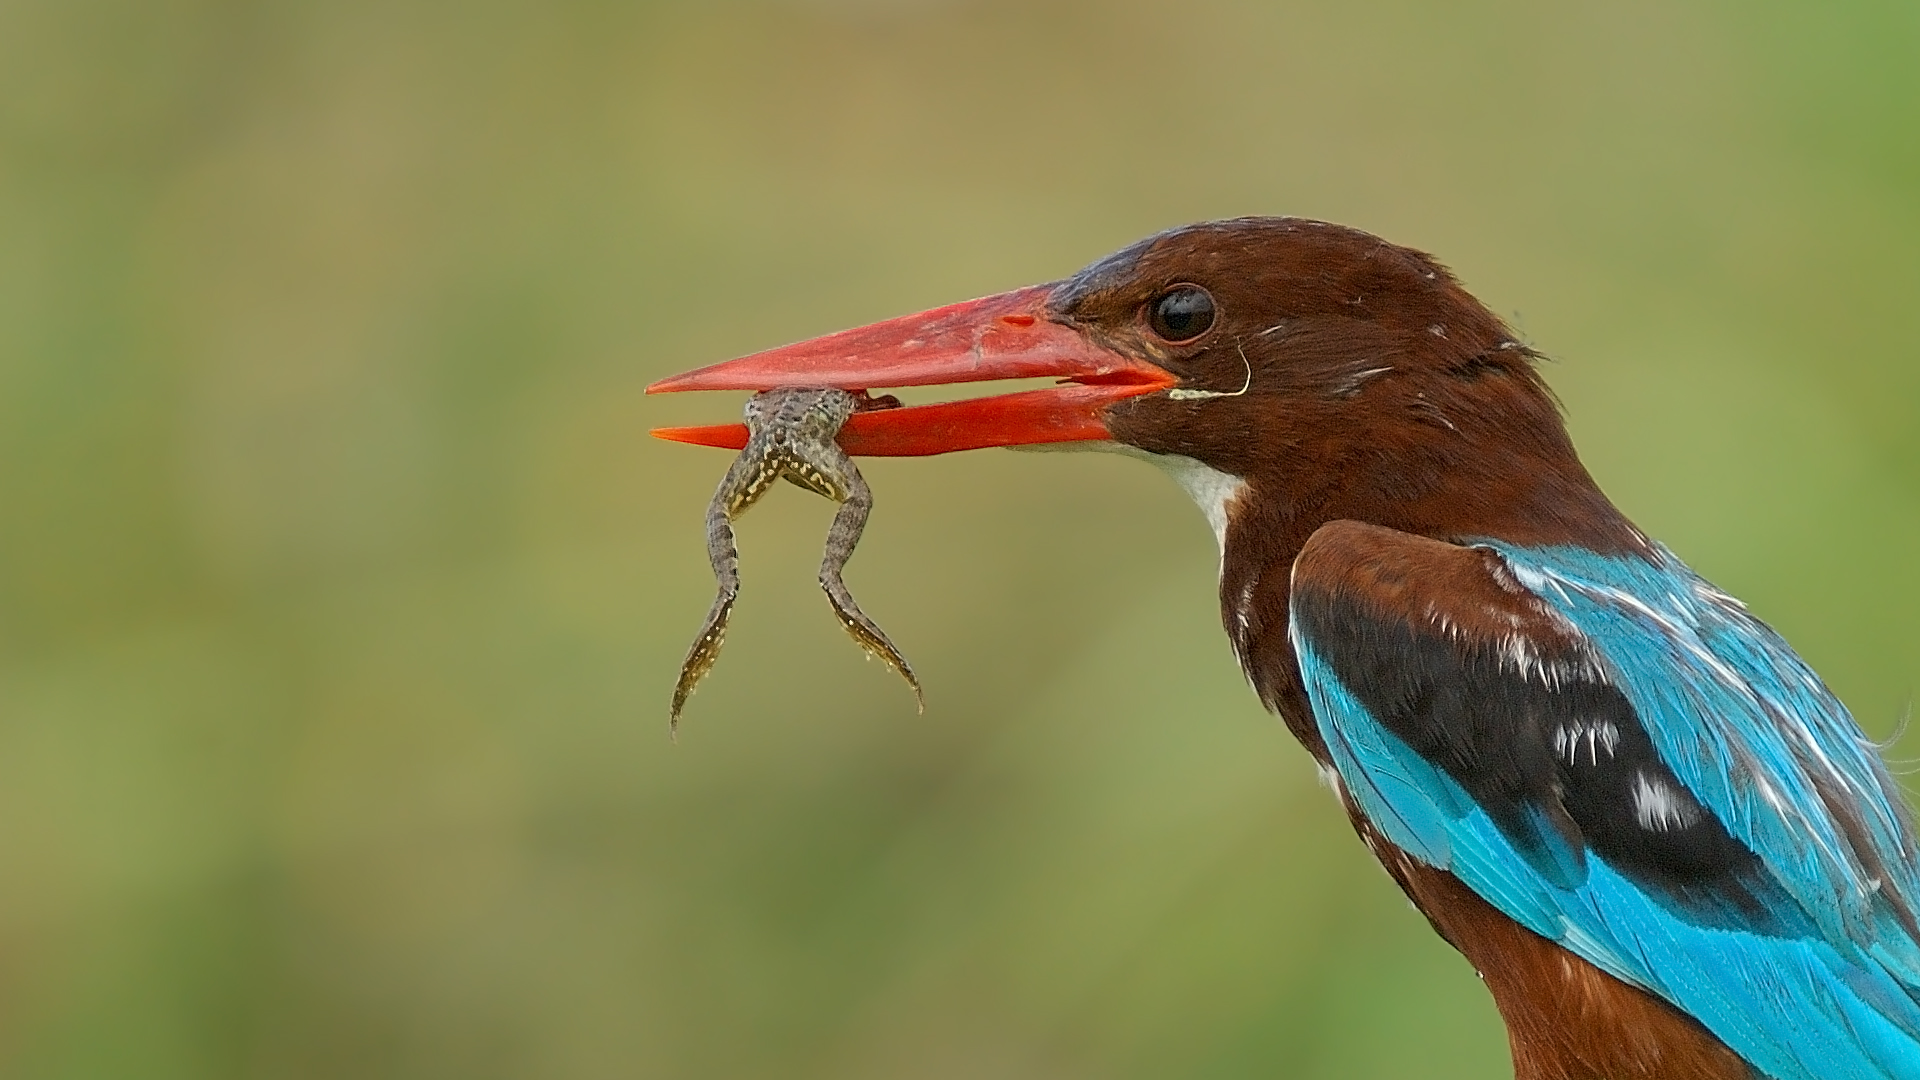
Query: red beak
point(1008, 336)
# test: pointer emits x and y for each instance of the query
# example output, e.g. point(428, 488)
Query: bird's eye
point(1182, 313)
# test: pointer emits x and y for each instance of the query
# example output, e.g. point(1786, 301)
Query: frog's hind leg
point(745, 482)
point(848, 523)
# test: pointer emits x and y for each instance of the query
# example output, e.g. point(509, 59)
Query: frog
point(791, 434)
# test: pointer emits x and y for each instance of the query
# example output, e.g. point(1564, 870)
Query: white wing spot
point(1585, 739)
point(1660, 807)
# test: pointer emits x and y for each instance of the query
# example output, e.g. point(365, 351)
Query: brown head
point(1342, 377)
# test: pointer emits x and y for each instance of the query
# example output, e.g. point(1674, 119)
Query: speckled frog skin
point(790, 434)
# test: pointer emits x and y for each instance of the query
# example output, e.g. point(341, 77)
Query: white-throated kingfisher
point(1660, 839)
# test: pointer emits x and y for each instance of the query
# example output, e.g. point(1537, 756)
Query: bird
point(1662, 842)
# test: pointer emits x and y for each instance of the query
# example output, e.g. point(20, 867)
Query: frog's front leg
point(856, 501)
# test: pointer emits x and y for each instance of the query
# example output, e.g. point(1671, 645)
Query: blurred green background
point(342, 591)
